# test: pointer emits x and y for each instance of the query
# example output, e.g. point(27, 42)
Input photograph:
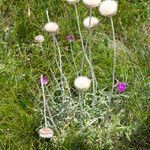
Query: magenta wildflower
point(44, 80)
point(121, 87)
point(69, 38)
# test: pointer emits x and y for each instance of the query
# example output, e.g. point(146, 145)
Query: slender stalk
point(67, 85)
point(52, 72)
point(78, 23)
point(88, 38)
point(94, 82)
point(44, 100)
point(81, 37)
point(60, 61)
point(41, 50)
point(83, 57)
point(88, 41)
point(52, 120)
point(76, 70)
point(114, 59)
point(48, 19)
point(60, 64)
point(90, 16)
point(81, 110)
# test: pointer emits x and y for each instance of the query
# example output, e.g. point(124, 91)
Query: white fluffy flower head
point(108, 8)
point(39, 39)
point(82, 83)
point(90, 22)
point(51, 27)
point(92, 3)
point(73, 1)
point(45, 133)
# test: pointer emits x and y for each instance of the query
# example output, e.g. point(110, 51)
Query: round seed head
point(92, 3)
point(73, 1)
point(82, 83)
point(108, 8)
point(51, 27)
point(90, 22)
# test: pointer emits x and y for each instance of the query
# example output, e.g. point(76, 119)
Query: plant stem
point(76, 70)
point(60, 64)
point(114, 60)
point(48, 19)
point(78, 24)
point(52, 120)
point(81, 110)
point(88, 41)
point(88, 38)
point(44, 100)
point(65, 80)
point(41, 50)
point(92, 70)
point(81, 37)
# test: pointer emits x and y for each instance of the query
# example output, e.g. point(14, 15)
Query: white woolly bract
point(92, 3)
point(51, 27)
point(45, 133)
point(90, 22)
point(72, 1)
point(39, 39)
point(82, 83)
point(108, 8)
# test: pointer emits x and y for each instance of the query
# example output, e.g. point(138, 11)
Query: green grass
point(126, 126)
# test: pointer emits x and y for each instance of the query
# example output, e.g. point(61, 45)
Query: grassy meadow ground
point(127, 127)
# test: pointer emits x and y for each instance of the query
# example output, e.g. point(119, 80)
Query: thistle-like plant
point(53, 28)
point(45, 132)
point(82, 84)
point(109, 8)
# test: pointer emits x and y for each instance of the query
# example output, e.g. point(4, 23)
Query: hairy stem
point(78, 23)
point(60, 64)
point(81, 37)
point(67, 85)
point(41, 50)
point(44, 100)
point(114, 60)
point(76, 70)
point(94, 82)
point(81, 110)
point(88, 38)
point(48, 19)
point(52, 120)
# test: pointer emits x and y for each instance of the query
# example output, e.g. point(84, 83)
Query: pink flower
point(121, 87)
point(44, 80)
point(69, 38)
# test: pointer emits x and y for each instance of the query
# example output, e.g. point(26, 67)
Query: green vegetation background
point(21, 65)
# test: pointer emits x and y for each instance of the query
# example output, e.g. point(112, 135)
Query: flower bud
point(45, 133)
point(69, 38)
point(39, 39)
point(43, 80)
point(121, 87)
